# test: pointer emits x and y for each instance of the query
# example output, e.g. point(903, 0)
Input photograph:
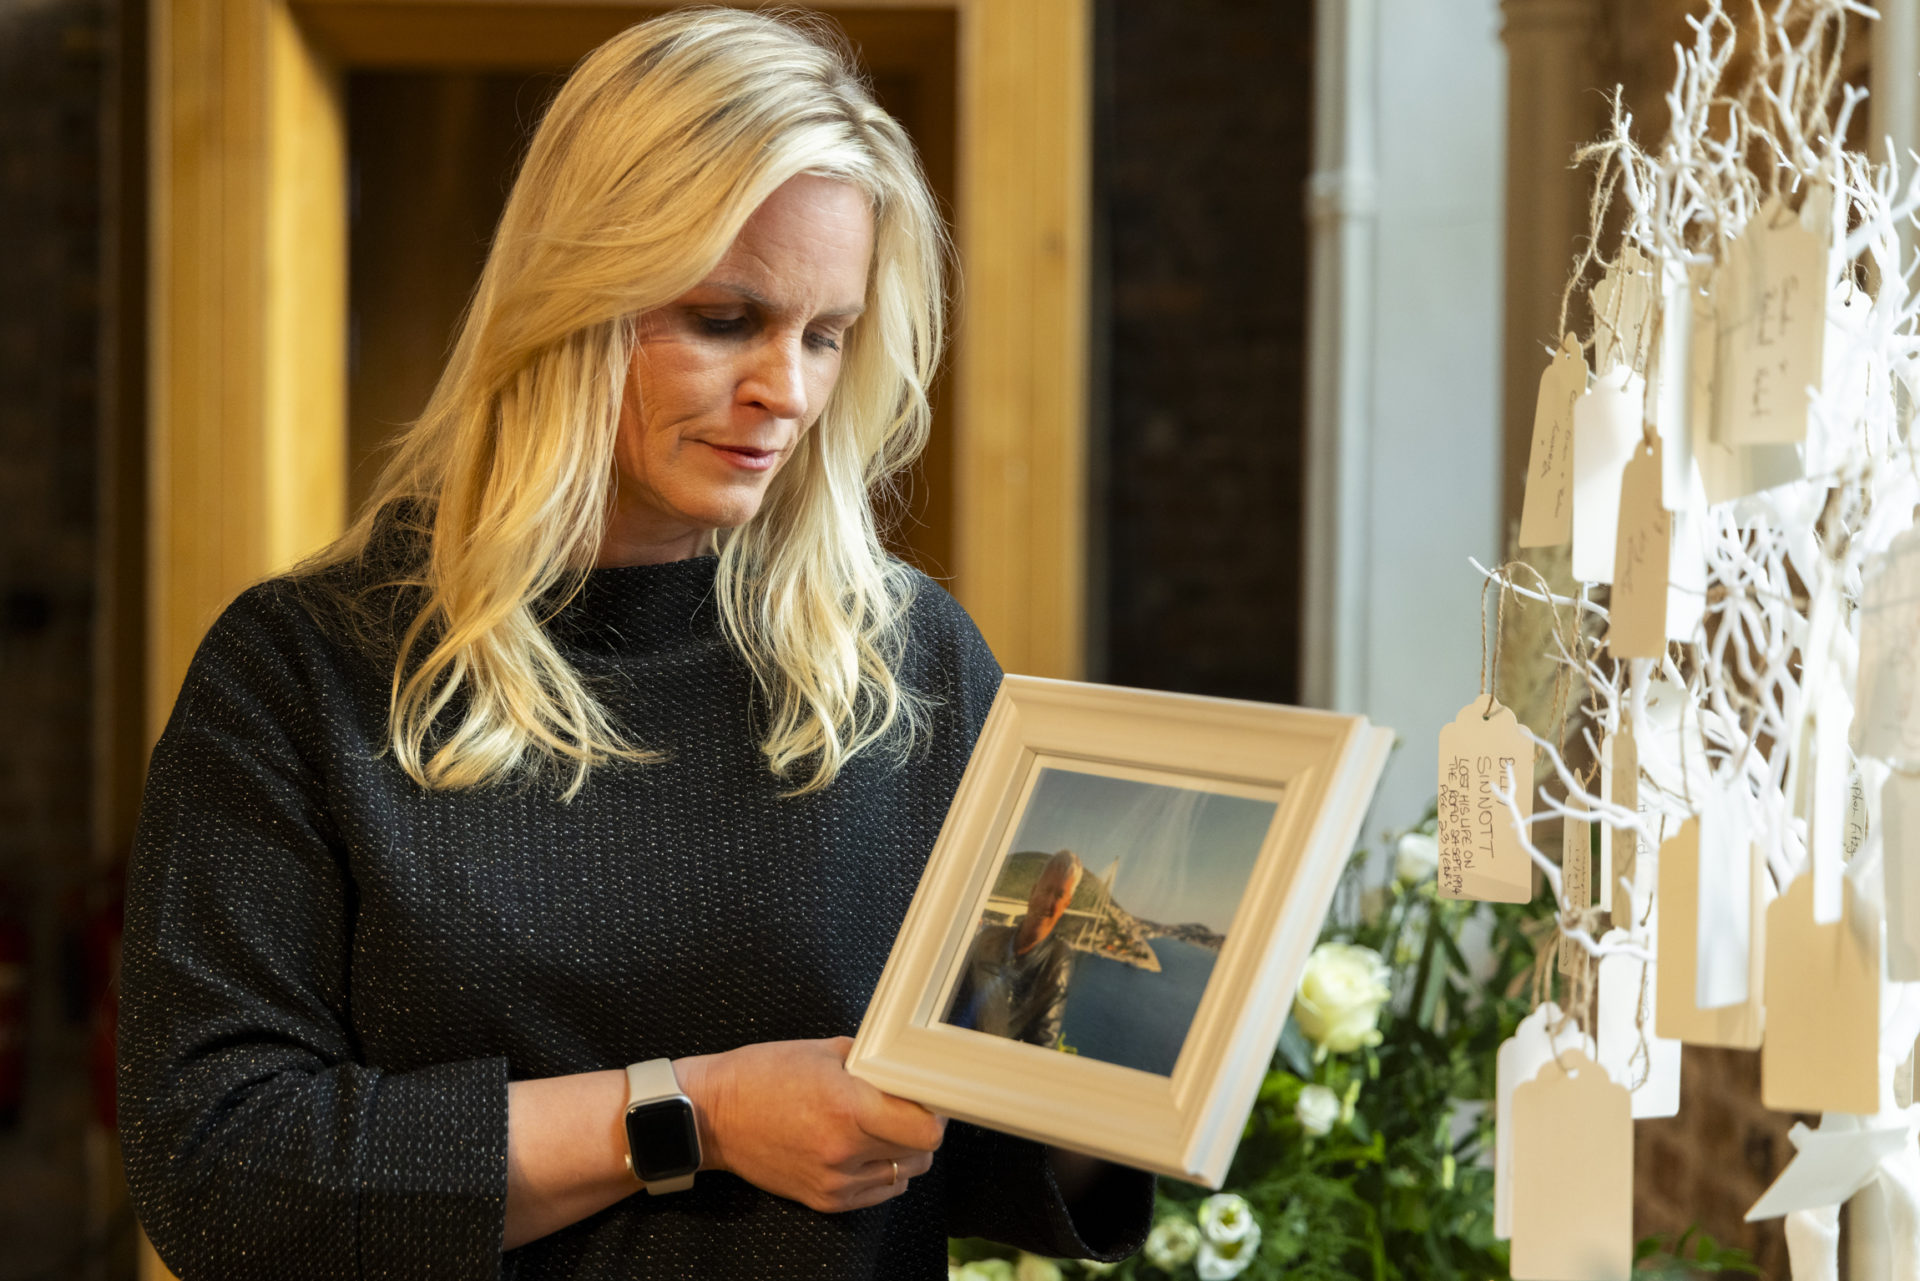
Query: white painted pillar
point(1340, 217)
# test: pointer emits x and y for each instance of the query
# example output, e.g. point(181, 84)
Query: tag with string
point(1576, 883)
point(1546, 513)
point(1631, 1050)
point(1774, 314)
point(1572, 1174)
point(1643, 549)
point(1485, 758)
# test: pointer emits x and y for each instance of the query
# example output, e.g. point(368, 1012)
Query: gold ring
point(896, 1173)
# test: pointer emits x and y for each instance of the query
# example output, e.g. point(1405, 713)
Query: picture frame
point(1199, 793)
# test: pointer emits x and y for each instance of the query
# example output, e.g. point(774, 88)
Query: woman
point(609, 736)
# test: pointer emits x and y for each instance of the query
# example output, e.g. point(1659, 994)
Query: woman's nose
point(777, 381)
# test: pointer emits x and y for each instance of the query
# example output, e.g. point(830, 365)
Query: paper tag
point(1727, 471)
point(1622, 313)
point(1520, 1058)
point(1481, 853)
point(1546, 513)
point(1620, 782)
point(1851, 376)
point(1678, 1015)
point(1887, 723)
point(1687, 572)
point(1643, 548)
point(1858, 824)
point(1572, 1175)
point(1648, 1065)
point(1673, 385)
point(1776, 320)
point(1827, 826)
point(1606, 428)
point(1724, 932)
point(1829, 1166)
point(1822, 1049)
point(1576, 877)
point(1900, 864)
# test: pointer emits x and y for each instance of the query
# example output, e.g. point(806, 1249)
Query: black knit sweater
point(331, 974)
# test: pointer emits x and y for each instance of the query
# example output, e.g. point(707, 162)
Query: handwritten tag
point(1576, 878)
point(1822, 1049)
point(1631, 1048)
point(1677, 1014)
point(1572, 1175)
point(1481, 854)
point(1776, 320)
point(1622, 313)
point(1606, 427)
point(1643, 549)
point(1620, 783)
point(1724, 950)
point(1546, 513)
point(1887, 723)
point(1727, 471)
point(1900, 855)
point(1541, 1035)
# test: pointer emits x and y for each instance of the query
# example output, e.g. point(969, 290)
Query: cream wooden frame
point(247, 453)
point(1324, 767)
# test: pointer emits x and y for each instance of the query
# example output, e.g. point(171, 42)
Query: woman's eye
point(721, 326)
point(824, 342)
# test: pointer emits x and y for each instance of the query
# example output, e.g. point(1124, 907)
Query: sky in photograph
point(1185, 855)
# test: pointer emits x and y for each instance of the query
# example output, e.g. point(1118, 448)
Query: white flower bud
point(1317, 1109)
point(1416, 859)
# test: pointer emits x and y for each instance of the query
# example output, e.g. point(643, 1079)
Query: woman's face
point(727, 377)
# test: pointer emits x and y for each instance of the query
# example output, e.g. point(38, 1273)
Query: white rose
point(1171, 1243)
point(1317, 1109)
point(1095, 1268)
point(1417, 859)
point(986, 1270)
point(1225, 1217)
point(1341, 992)
point(1220, 1260)
point(1031, 1267)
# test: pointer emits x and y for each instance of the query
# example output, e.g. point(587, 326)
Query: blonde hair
point(654, 153)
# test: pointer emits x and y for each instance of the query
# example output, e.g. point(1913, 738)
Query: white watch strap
point(648, 1080)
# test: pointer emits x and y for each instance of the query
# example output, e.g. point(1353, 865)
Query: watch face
point(662, 1138)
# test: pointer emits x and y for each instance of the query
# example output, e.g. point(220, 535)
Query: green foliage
point(1400, 1187)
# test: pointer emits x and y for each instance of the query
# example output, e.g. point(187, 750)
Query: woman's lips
point(745, 457)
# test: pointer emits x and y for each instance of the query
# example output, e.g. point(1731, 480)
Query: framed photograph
point(1106, 940)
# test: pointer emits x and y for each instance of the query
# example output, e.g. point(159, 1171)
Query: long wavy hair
point(654, 153)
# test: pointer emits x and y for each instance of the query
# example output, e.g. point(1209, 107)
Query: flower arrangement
point(1369, 1151)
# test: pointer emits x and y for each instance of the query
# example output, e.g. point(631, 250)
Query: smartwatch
point(663, 1143)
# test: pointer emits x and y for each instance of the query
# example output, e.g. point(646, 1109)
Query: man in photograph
point(1014, 981)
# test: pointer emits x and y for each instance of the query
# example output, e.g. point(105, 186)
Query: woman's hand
point(786, 1117)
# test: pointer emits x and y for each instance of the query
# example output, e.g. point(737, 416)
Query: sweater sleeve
point(258, 1143)
point(1002, 1188)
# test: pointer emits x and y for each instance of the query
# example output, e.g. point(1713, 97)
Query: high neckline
point(626, 607)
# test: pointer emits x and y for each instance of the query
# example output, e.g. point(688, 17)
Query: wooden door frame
point(247, 319)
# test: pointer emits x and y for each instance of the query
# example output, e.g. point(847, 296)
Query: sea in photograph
point(1119, 1013)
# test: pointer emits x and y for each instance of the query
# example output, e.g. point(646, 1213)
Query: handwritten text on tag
point(1484, 754)
point(1776, 320)
point(1546, 515)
